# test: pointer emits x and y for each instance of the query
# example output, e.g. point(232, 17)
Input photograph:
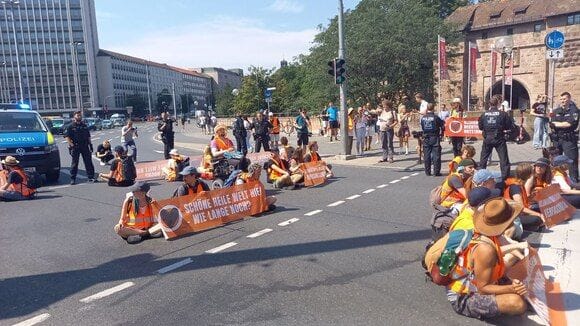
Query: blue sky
point(213, 33)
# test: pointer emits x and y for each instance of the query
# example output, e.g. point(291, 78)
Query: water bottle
point(446, 262)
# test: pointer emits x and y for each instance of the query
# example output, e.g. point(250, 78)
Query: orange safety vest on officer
point(449, 195)
point(143, 219)
point(506, 192)
point(22, 188)
point(275, 125)
point(463, 274)
point(273, 174)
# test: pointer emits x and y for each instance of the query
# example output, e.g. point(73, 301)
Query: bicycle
point(288, 127)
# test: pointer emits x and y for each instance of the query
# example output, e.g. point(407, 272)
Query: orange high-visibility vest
point(199, 189)
point(22, 188)
point(452, 166)
point(449, 195)
point(513, 181)
point(223, 143)
point(141, 219)
point(274, 175)
point(275, 125)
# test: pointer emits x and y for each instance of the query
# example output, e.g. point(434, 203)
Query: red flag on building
point(444, 73)
point(510, 70)
point(473, 55)
point(493, 66)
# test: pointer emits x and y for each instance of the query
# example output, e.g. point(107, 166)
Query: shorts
point(324, 124)
point(275, 137)
point(370, 131)
point(282, 182)
point(333, 124)
point(476, 305)
point(302, 139)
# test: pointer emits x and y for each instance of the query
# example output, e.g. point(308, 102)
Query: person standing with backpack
point(17, 182)
point(123, 172)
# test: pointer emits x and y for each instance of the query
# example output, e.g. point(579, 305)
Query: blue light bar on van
point(24, 106)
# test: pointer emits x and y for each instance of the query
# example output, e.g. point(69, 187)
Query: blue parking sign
point(555, 40)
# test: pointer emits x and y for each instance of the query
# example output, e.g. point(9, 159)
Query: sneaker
point(156, 235)
point(271, 207)
point(73, 182)
point(92, 180)
point(132, 239)
point(102, 163)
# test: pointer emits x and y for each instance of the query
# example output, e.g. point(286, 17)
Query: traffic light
point(331, 69)
point(339, 71)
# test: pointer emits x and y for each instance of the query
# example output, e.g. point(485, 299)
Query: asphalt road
point(356, 262)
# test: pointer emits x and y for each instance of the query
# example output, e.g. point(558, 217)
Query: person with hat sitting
point(137, 221)
point(569, 190)
point(540, 179)
point(221, 144)
point(105, 152)
point(456, 186)
point(253, 174)
point(175, 164)
point(191, 183)
point(475, 290)
point(122, 172)
point(15, 188)
point(476, 197)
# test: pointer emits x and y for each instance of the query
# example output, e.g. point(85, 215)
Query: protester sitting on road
point(285, 148)
point(313, 156)
point(122, 172)
point(221, 143)
point(205, 164)
point(516, 190)
point(105, 152)
point(541, 178)
point(137, 221)
point(191, 183)
point(278, 172)
point(467, 151)
point(560, 165)
point(16, 185)
point(476, 197)
point(175, 164)
point(296, 173)
point(551, 152)
point(456, 186)
point(474, 291)
point(253, 174)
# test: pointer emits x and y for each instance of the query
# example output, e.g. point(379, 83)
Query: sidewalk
point(559, 247)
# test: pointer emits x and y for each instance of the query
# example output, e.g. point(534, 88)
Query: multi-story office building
point(222, 78)
point(47, 54)
point(122, 76)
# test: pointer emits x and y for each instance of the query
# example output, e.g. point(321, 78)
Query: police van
point(24, 135)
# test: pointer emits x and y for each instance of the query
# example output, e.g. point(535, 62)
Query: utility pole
point(174, 104)
point(148, 90)
point(341, 55)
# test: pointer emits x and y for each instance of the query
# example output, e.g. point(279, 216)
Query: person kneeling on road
point(16, 187)
point(191, 183)
point(253, 174)
point(123, 172)
point(105, 152)
point(475, 291)
point(137, 221)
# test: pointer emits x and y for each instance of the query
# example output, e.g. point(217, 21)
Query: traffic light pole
point(341, 55)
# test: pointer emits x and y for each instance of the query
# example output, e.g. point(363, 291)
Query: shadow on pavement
point(23, 295)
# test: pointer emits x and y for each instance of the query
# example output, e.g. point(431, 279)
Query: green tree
point(139, 104)
point(224, 101)
point(251, 96)
point(445, 7)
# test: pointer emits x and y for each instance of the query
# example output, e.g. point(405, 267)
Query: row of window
point(129, 78)
point(573, 19)
point(43, 24)
point(43, 36)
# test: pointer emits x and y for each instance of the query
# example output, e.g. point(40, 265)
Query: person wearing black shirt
point(262, 128)
point(104, 152)
point(191, 183)
point(496, 126)
point(433, 128)
point(114, 177)
point(565, 126)
point(240, 133)
point(79, 143)
point(165, 126)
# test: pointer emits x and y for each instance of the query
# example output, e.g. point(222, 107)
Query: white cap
point(173, 152)
point(270, 114)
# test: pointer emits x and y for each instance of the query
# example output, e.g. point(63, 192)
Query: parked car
point(118, 122)
point(107, 124)
point(94, 123)
point(58, 125)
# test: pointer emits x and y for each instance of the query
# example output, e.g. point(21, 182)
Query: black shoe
point(92, 180)
point(73, 182)
point(428, 174)
point(437, 174)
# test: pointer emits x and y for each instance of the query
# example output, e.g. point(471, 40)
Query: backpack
point(435, 196)
point(126, 170)
point(34, 179)
point(456, 241)
point(441, 221)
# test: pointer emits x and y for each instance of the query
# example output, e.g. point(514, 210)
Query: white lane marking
point(405, 177)
point(414, 174)
point(395, 181)
point(368, 191)
point(111, 132)
point(222, 247)
point(290, 221)
point(336, 203)
point(58, 187)
point(64, 141)
point(156, 151)
point(259, 233)
point(313, 212)
point(382, 186)
point(107, 292)
point(174, 266)
point(353, 197)
point(95, 138)
point(33, 320)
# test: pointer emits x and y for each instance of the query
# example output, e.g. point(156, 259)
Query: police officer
point(564, 123)
point(262, 128)
point(433, 128)
point(165, 126)
point(496, 126)
point(79, 143)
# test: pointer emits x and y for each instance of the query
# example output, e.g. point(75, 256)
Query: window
point(510, 31)
point(538, 27)
point(484, 35)
point(573, 19)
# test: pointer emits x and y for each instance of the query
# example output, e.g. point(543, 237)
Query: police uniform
point(433, 128)
point(495, 124)
point(79, 135)
point(167, 136)
point(566, 139)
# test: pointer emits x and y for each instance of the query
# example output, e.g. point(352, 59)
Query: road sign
point(267, 93)
point(555, 40)
point(554, 54)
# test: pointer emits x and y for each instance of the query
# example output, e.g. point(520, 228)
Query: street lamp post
point(77, 77)
point(11, 4)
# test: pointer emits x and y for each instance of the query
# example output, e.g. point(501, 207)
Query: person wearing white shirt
point(419, 98)
point(560, 177)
